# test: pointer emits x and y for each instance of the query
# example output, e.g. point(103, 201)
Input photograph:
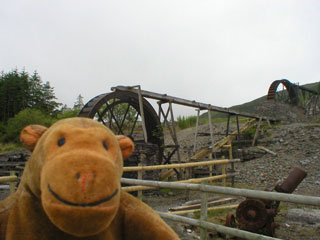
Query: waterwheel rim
point(104, 107)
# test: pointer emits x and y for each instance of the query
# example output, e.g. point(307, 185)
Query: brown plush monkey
point(70, 188)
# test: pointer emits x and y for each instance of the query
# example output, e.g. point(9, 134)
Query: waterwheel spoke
point(134, 124)
point(116, 122)
point(100, 118)
point(125, 115)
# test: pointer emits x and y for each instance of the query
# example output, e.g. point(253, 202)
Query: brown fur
point(70, 188)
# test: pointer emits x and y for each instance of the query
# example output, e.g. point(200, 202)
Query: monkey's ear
point(126, 145)
point(30, 135)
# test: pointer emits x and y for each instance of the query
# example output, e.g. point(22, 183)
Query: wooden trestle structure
point(164, 98)
point(104, 108)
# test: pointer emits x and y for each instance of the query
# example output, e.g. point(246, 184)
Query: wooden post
point(238, 127)
point(224, 183)
point(210, 171)
point(228, 124)
point(211, 132)
point(232, 164)
point(257, 132)
point(196, 133)
point(140, 178)
point(145, 135)
point(204, 212)
point(12, 184)
point(210, 167)
point(174, 132)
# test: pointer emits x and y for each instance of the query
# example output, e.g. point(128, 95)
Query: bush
point(25, 117)
point(186, 122)
point(68, 114)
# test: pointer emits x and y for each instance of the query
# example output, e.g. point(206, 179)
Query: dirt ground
point(296, 142)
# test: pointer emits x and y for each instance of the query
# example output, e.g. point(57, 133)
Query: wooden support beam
point(210, 204)
point(267, 150)
point(209, 209)
point(190, 103)
point(256, 134)
point(197, 201)
point(204, 212)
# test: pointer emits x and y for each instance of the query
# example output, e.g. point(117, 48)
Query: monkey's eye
point(105, 145)
point(61, 141)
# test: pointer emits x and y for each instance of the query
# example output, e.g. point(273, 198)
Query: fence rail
point(192, 180)
point(216, 227)
point(180, 165)
point(284, 197)
point(12, 179)
point(204, 225)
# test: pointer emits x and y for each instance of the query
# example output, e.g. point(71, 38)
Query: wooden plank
point(256, 134)
point(197, 201)
point(204, 212)
point(209, 209)
point(267, 150)
point(210, 204)
point(166, 175)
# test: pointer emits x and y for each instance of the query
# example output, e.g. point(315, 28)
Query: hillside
point(252, 106)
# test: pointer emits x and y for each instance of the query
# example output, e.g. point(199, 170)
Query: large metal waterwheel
point(283, 91)
point(120, 112)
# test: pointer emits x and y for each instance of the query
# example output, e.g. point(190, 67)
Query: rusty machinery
point(257, 215)
point(286, 92)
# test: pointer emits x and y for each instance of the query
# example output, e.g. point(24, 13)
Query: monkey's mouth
point(91, 204)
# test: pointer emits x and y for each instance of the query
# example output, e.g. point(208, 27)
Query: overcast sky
point(222, 53)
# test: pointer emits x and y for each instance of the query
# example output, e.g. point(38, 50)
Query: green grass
point(9, 147)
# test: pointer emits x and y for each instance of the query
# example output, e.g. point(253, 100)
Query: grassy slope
point(249, 106)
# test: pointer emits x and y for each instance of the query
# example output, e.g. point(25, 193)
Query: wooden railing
point(12, 179)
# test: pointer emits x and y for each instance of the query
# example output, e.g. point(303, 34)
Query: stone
point(310, 216)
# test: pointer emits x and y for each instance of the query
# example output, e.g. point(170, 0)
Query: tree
point(18, 91)
point(79, 103)
point(13, 93)
point(41, 95)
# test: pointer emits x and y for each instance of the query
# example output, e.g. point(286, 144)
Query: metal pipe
point(293, 198)
point(216, 227)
